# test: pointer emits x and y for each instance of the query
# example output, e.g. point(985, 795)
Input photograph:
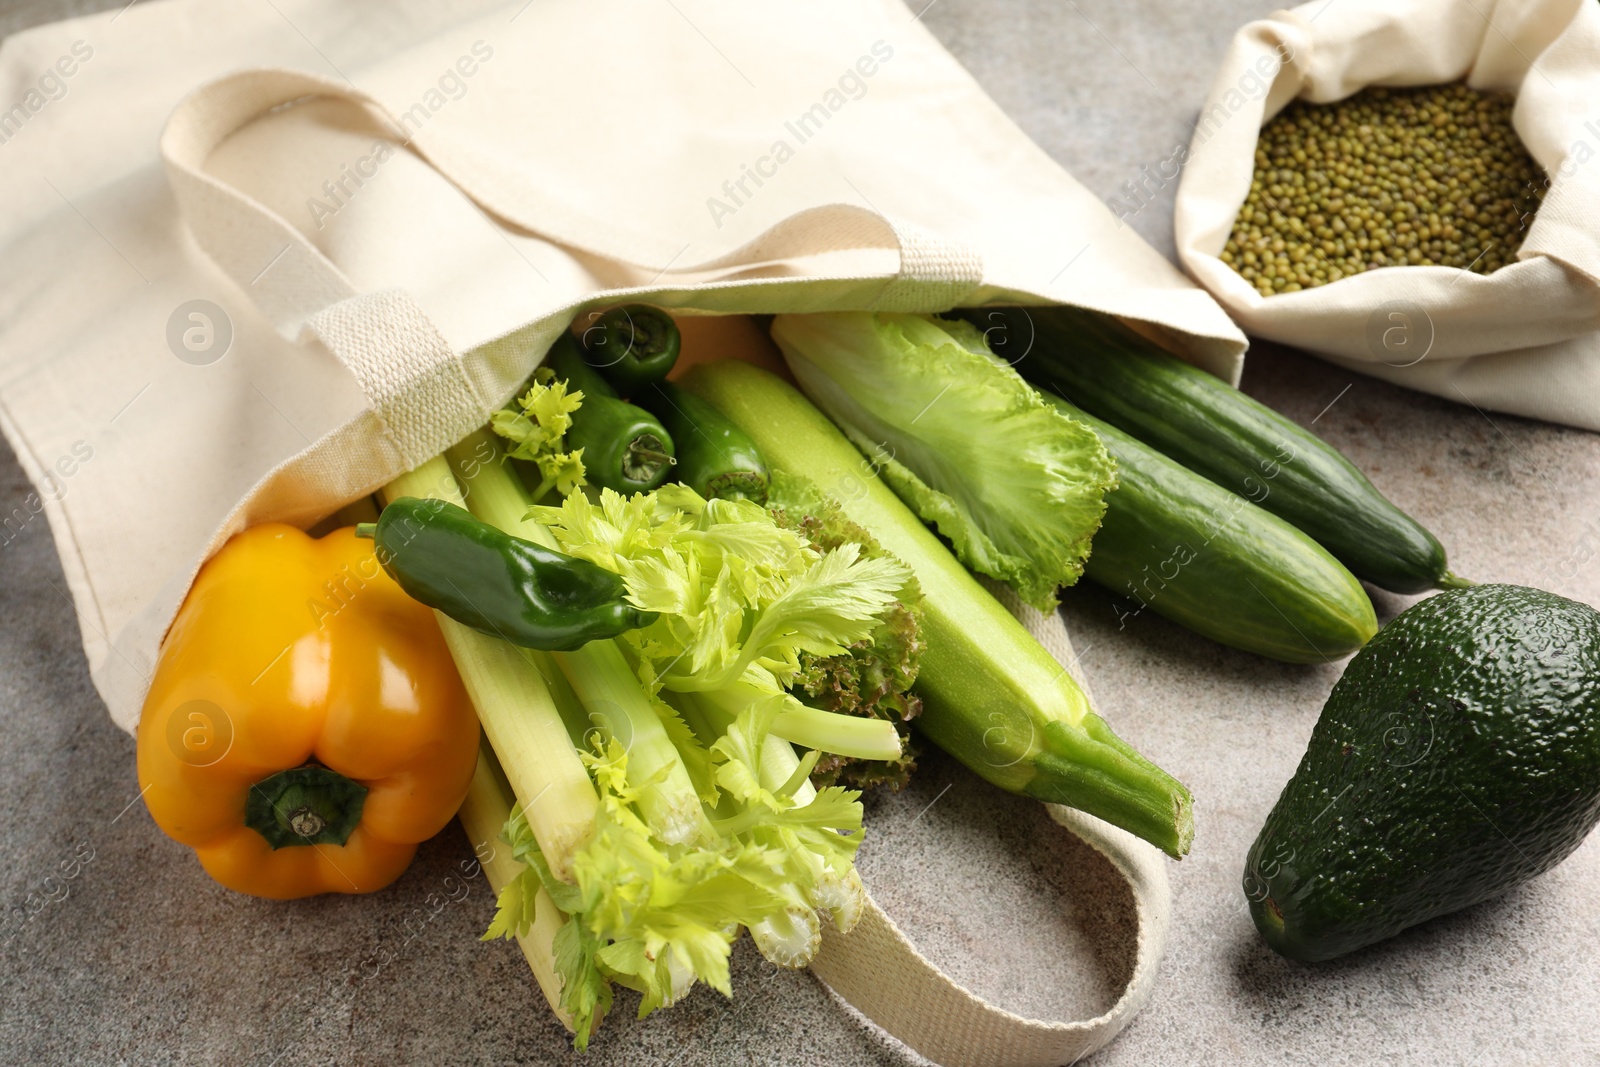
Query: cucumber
point(992, 696)
point(1215, 563)
point(1217, 431)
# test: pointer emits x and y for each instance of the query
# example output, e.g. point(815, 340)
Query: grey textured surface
point(115, 948)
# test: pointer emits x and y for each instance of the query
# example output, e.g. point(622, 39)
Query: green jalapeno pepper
point(715, 457)
point(632, 346)
point(497, 584)
point(624, 447)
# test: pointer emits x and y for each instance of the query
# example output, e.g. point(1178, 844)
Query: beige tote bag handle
point(423, 398)
point(883, 976)
point(290, 279)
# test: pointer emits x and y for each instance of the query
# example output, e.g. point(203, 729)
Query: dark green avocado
point(1457, 757)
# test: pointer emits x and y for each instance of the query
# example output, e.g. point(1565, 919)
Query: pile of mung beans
point(1387, 177)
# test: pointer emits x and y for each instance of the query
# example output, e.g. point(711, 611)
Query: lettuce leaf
point(874, 678)
point(1015, 485)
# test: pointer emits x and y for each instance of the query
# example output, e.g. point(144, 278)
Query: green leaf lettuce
point(1016, 486)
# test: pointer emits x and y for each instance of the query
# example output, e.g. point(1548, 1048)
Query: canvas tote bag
point(1522, 340)
point(390, 250)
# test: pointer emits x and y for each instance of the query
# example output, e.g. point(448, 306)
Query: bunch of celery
point(660, 806)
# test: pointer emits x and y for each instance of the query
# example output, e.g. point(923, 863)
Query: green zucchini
point(992, 696)
point(1215, 563)
point(1217, 431)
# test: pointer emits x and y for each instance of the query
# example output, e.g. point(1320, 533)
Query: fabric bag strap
point(279, 268)
point(415, 384)
point(879, 972)
point(422, 393)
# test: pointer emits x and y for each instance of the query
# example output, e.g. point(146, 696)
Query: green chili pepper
point(624, 447)
point(715, 457)
point(497, 584)
point(632, 346)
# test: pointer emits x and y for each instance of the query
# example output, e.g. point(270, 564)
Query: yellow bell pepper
point(305, 728)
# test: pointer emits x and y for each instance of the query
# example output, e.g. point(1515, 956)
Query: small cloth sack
point(1522, 339)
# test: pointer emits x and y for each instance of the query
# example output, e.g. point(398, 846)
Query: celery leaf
point(739, 597)
point(535, 428)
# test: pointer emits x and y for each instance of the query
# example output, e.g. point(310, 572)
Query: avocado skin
point(1458, 757)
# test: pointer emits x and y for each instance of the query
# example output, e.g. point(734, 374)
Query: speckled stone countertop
point(138, 958)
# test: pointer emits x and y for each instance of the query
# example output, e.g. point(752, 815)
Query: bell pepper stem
point(644, 457)
point(644, 451)
point(309, 805)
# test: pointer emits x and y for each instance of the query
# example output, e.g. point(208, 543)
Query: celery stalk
point(618, 704)
point(518, 715)
point(710, 719)
point(844, 899)
point(580, 727)
point(611, 693)
point(846, 735)
point(483, 813)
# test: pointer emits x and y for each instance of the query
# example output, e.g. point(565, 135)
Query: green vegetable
point(616, 704)
point(657, 917)
point(992, 696)
point(623, 447)
point(1212, 561)
point(652, 907)
point(715, 457)
point(518, 712)
point(1457, 757)
point(1218, 432)
point(632, 347)
point(739, 597)
point(872, 679)
point(488, 805)
point(537, 426)
point(1016, 486)
point(498, 585)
